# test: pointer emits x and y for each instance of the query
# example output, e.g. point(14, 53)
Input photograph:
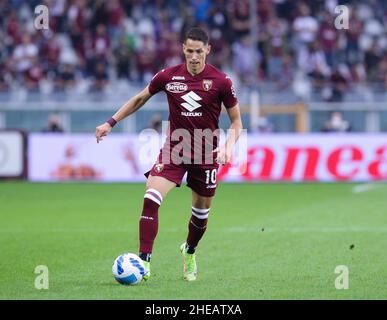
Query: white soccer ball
point(128, 269)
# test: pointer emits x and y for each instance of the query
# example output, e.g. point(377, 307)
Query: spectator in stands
point(287, 72)
point(313, 63)
point(25, 54)
point(276, 32)
point(336, 123)
point(201, 9)
point(65, 79)
point(146, 57)
point(50, 52)
point(218, 19)
point(123, 56)
point(353, 33)
point(220, 50)
point(371, 59)
point(32, 77)
point(286, 9)
point(240, 19)
point(5, 78)
point(4, 87)
point(86, 55)
point(265, 11)
point(57, 14)
point(246, 57)
point(165, 46)
point(358, 74)
point(264, 125)
point(173, 56)
point(101, 44)
point(93, 32)
point(13, 29)
point(339, 85)
point(164, 27)
point(115, 19)
point(77, 16)
point(381, 74)
point(100, 78)
point(189, 21)
point(305, 29)
point(329, 37)
point(54, 125)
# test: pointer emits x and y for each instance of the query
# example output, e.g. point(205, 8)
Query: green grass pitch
point(264, 241)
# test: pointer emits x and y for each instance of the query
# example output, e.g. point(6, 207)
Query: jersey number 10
point(211, 174)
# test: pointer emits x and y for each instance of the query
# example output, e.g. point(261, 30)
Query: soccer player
point(195, 92)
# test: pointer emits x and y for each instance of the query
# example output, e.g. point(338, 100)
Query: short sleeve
point(228, 94)
point(157, 83)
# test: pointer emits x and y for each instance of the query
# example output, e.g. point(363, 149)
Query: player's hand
point(102, 131)
point(223, 156)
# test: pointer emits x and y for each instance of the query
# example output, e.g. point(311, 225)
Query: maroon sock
point(149, 222)
point(196, 227)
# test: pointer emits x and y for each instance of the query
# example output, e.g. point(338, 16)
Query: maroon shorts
point(200, 178)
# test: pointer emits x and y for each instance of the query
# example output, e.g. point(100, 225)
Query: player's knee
point(199, 201)
point(153, 195)
point(201, 214)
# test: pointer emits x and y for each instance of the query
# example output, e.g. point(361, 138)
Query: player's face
point(195, 55)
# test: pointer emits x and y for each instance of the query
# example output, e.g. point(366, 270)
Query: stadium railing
point(81, 112)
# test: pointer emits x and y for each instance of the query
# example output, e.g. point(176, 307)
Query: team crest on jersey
point(159, 167)
point(176, 87)
point(207, 84)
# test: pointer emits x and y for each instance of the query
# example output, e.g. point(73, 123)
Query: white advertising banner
point(11, 153)
point(311, 157)
point(119, 157)
point(266, 157)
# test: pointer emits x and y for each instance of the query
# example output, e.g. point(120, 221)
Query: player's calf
point(196, 227)
point(149, 226)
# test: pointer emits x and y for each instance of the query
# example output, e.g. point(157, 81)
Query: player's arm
point(131, 106)
point(233, 133)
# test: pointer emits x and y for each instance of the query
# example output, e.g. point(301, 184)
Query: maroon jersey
point(194, 103)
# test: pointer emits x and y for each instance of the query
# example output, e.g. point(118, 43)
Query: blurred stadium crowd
point(93, 44)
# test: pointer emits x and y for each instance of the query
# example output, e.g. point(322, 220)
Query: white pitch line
point(257, 229)
point(365, 187)
point(308, 229)
point(75, 230)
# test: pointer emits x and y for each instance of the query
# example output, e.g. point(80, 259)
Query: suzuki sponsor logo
point(176, 87)
point(191, 114)
point(191, 103)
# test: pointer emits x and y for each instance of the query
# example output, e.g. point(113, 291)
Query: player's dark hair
point(197, 34)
